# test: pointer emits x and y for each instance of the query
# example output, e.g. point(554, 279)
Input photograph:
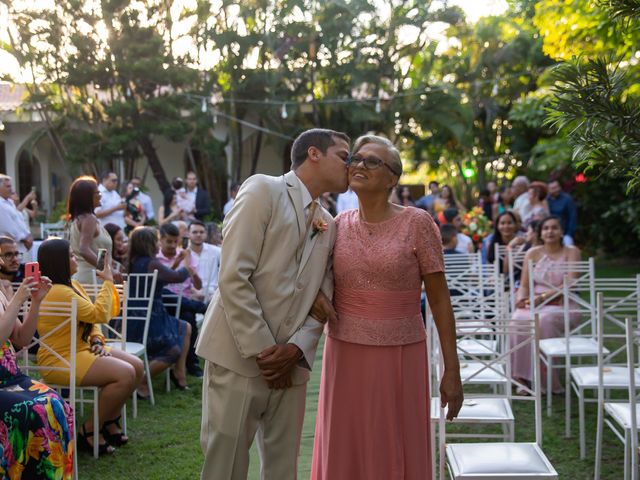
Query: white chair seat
point(498, 460)
point(133, 348)
point(477, 346)
point(621, 412)
point(478, 410)
point(578, 346)
point(486, 376)
point(613, 376)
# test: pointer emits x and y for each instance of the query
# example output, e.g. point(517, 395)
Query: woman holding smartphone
point(116, 372)
point(86, 234)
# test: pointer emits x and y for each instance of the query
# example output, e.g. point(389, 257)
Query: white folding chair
point(620, 417)
point(137, 304)
point(615, 371)
point(68, 314)
point(504, 460)
point(515, 263)
point(56, 229)
point(173, 301)
point(578, 342)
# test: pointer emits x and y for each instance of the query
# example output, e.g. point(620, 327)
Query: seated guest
point(31, 414)
point(449, 234)
point(10, 267)
point(452, 216)
point(120, 247)
point(173, 257)
point(205, 256)
point(168, 337)
point(117, 373)
point(547, 281)
point(505, 230)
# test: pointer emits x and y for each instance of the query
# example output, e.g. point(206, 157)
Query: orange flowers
point(319, 226)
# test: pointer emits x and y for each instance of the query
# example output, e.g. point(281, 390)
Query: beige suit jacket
point(270, 273)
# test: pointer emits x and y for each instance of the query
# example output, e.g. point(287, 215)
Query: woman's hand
point(25, 289)
point(522, 303)
point(99, 350)
point(41, 289)
point(451, 395)
point(106, 274)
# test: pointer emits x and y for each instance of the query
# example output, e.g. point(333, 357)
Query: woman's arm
point(87, 226)
point(523, 291)
point(24, 331)
point(435, 285)
point(9, 318)
point(166, 274)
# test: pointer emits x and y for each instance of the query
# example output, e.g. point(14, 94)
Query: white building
point(28, 155)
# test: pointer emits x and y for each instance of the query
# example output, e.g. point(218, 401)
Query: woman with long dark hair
point(550, 252)
point(447, 199)
point(116, 372)
point(86, 234)
point(506, 229)
point(168, 337)
point(120, 247)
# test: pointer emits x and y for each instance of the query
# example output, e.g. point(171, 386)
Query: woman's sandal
point(175, 381)
point(86, 446)
point(117, 439)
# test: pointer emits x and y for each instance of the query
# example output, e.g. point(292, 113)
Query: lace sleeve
point(428, 243)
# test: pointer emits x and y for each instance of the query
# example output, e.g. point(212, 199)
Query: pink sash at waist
point(377, 317)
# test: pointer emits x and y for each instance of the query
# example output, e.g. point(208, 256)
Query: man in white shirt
point(145, 200)
point(11, 219)
point(232, 197)
point(206, 256)
point(520, 191)
point(347, 201)
point(111, 209)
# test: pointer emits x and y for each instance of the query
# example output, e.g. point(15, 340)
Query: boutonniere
point(319, 226)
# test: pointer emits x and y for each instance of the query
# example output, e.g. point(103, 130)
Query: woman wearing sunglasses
point(373, 418)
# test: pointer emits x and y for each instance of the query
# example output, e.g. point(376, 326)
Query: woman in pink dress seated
point(373, 412)
point(547, 280)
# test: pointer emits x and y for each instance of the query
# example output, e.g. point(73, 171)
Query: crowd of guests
point(183, 250)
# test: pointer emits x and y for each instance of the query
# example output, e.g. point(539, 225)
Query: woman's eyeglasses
point(369, 163)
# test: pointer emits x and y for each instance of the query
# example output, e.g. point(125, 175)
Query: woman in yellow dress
point(116, 372)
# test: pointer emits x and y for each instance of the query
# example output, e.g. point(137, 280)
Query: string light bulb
point(284, 112)
point(215, 117)
point(378, 106)
point(203, 106)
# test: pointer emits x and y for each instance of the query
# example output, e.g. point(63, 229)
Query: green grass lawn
point(165, 439)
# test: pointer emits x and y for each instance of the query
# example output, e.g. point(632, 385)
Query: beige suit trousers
point(235, 409)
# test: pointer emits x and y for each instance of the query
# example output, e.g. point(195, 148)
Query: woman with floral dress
point(36, 425)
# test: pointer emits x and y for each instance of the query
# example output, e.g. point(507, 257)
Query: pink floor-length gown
point(551, 322)
point(373, 410)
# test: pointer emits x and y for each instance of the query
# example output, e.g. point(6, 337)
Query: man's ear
point(313, 153)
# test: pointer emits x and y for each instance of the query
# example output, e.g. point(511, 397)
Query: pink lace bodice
point(378, 269)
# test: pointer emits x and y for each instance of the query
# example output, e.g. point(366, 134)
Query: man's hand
point(281, 383)
point(28, 242)
point(277, 362)
point(451, 393)
point(322, 309)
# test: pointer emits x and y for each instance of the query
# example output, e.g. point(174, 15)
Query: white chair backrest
point(633, 335)
point(173, 301)
point(141, 288)
point(506, 331)
point(56, 229)
point(113, 329)
point(578, 281)
point(67, 312)
point(620, 300)
point(515, 263)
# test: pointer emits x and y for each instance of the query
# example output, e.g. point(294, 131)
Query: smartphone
point(32, 270)
point(185, 243)
point(102, 253)
point(33, 189)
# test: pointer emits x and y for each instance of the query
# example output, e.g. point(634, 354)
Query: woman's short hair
point(540, 188)
point(80, 199)
point(53, 257)
point(142, 243)
point(394, 155)
point(546, 220)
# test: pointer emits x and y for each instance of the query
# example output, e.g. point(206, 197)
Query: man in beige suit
point(258, 338)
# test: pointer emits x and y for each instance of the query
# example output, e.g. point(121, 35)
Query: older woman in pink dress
point(373, 410)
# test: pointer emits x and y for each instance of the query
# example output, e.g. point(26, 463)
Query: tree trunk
point(256, 150)
point(154, 162)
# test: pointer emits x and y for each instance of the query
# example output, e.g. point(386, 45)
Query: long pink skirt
point(373, 413)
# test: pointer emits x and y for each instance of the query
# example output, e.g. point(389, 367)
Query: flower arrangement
point(319, 226)
point(476, 225)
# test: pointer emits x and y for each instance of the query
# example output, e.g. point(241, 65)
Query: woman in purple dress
point(373, 411)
